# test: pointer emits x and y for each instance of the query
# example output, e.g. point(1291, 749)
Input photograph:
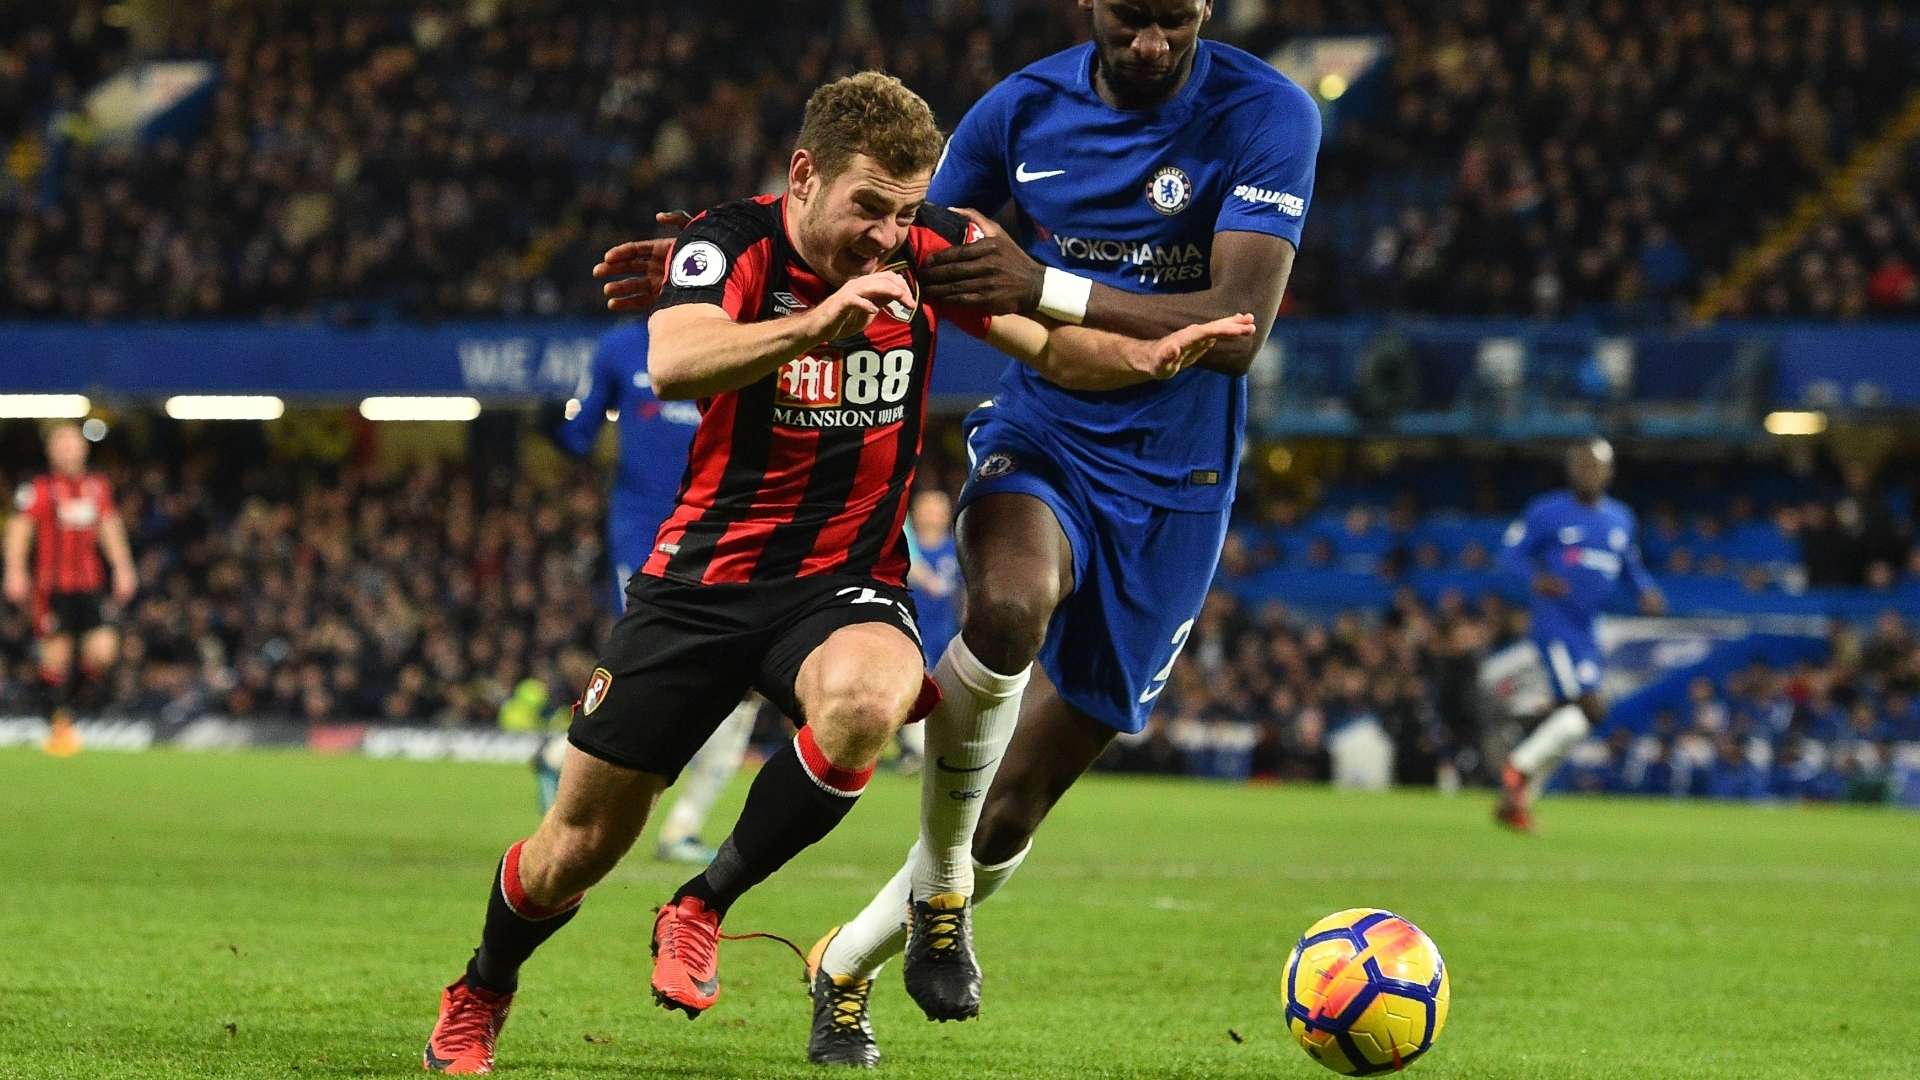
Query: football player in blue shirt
point(1152, 180)
point(654, 436)
point(1574, 549)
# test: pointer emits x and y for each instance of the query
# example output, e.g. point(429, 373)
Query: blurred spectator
point(368, 161)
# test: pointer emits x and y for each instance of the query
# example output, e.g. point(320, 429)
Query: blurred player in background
point(1572, 549)
point(797, 322)
point(935, 581)
point(1156, 180)
point(654, 437)
point(66, 519)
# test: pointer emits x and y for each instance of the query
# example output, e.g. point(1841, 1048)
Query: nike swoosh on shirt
point(1021, 174)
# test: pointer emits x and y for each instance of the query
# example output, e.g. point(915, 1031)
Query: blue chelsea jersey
point(1132, 199)
point(1594, 549)
point(654, 434)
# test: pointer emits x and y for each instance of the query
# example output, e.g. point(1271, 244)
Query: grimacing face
point(848, 225)
point(1146, 46)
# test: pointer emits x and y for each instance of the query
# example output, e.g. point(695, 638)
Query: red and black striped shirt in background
point(806, 471)
point(67, 512)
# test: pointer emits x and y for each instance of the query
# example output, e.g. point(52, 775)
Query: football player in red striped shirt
point(797, 323)
point(66, 519)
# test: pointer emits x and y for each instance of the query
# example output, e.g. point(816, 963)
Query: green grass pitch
point(255, 914)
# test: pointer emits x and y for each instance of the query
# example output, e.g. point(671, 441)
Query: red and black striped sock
point(515, 927)
point(796, 800)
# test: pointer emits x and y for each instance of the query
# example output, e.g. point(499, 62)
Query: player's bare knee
point(564, 859)
point(855, 719)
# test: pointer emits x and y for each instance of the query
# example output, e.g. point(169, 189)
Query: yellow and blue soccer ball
point(1366, 992)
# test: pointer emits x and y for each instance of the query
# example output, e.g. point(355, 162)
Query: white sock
point(879, 932)
point(706, 776)
point(966, 738)
point(988, 879)
point(1541, 752)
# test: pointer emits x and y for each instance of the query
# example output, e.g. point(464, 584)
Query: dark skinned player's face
point(1146, 47)
point(1590, 473)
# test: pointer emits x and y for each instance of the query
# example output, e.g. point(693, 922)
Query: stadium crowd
point(1865, 262)
point(1597, 156)
point(1263, 691)
point(1822, 732)
point(438, 595)
point(326, 595)
point(364, 161)
point(1854, 528)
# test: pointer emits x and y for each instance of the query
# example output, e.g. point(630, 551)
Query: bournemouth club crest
point(596, 692)
point(896, 310)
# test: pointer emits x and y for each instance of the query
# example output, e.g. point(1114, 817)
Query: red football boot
point(686, 957)
point(470, 1021)
point(1515, 808)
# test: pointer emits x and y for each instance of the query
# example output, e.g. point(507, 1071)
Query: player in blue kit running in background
point(654, 436)
point(935, 579)
point(1152, 180)
point(935, 583)
point(1573, 549)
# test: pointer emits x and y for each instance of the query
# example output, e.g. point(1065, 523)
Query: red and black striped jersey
point(66, 512)
point(805, 471)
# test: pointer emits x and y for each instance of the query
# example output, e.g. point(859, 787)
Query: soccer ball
point(1366, 992)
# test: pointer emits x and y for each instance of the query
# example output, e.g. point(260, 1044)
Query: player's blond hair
point(871, 113)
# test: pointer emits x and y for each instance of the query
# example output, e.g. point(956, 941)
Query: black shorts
point(684, 655)
point(72, 613)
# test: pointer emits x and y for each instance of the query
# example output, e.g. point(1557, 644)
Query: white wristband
point(1064, 296)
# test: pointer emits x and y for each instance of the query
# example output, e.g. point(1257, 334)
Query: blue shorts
point(1140, 571)
point(630, 533)
point(1573, 661)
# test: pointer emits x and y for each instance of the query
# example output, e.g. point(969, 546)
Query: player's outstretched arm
point(697, 350)
point(1081, 358)
point(1249, 272)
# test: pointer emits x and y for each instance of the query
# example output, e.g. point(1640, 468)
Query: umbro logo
point(1021, 173)
point(785, 303)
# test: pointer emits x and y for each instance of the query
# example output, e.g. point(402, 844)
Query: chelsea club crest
point(1170, 190)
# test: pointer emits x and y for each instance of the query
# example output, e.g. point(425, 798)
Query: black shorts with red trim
point(72, 613)
point(684, 655)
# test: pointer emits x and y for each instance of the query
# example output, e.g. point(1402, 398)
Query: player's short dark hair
point(871, 113)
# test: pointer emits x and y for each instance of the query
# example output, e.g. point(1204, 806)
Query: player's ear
point(802, 177)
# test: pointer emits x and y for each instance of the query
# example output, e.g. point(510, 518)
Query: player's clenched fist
point(1184, 347)
point(854, 305)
